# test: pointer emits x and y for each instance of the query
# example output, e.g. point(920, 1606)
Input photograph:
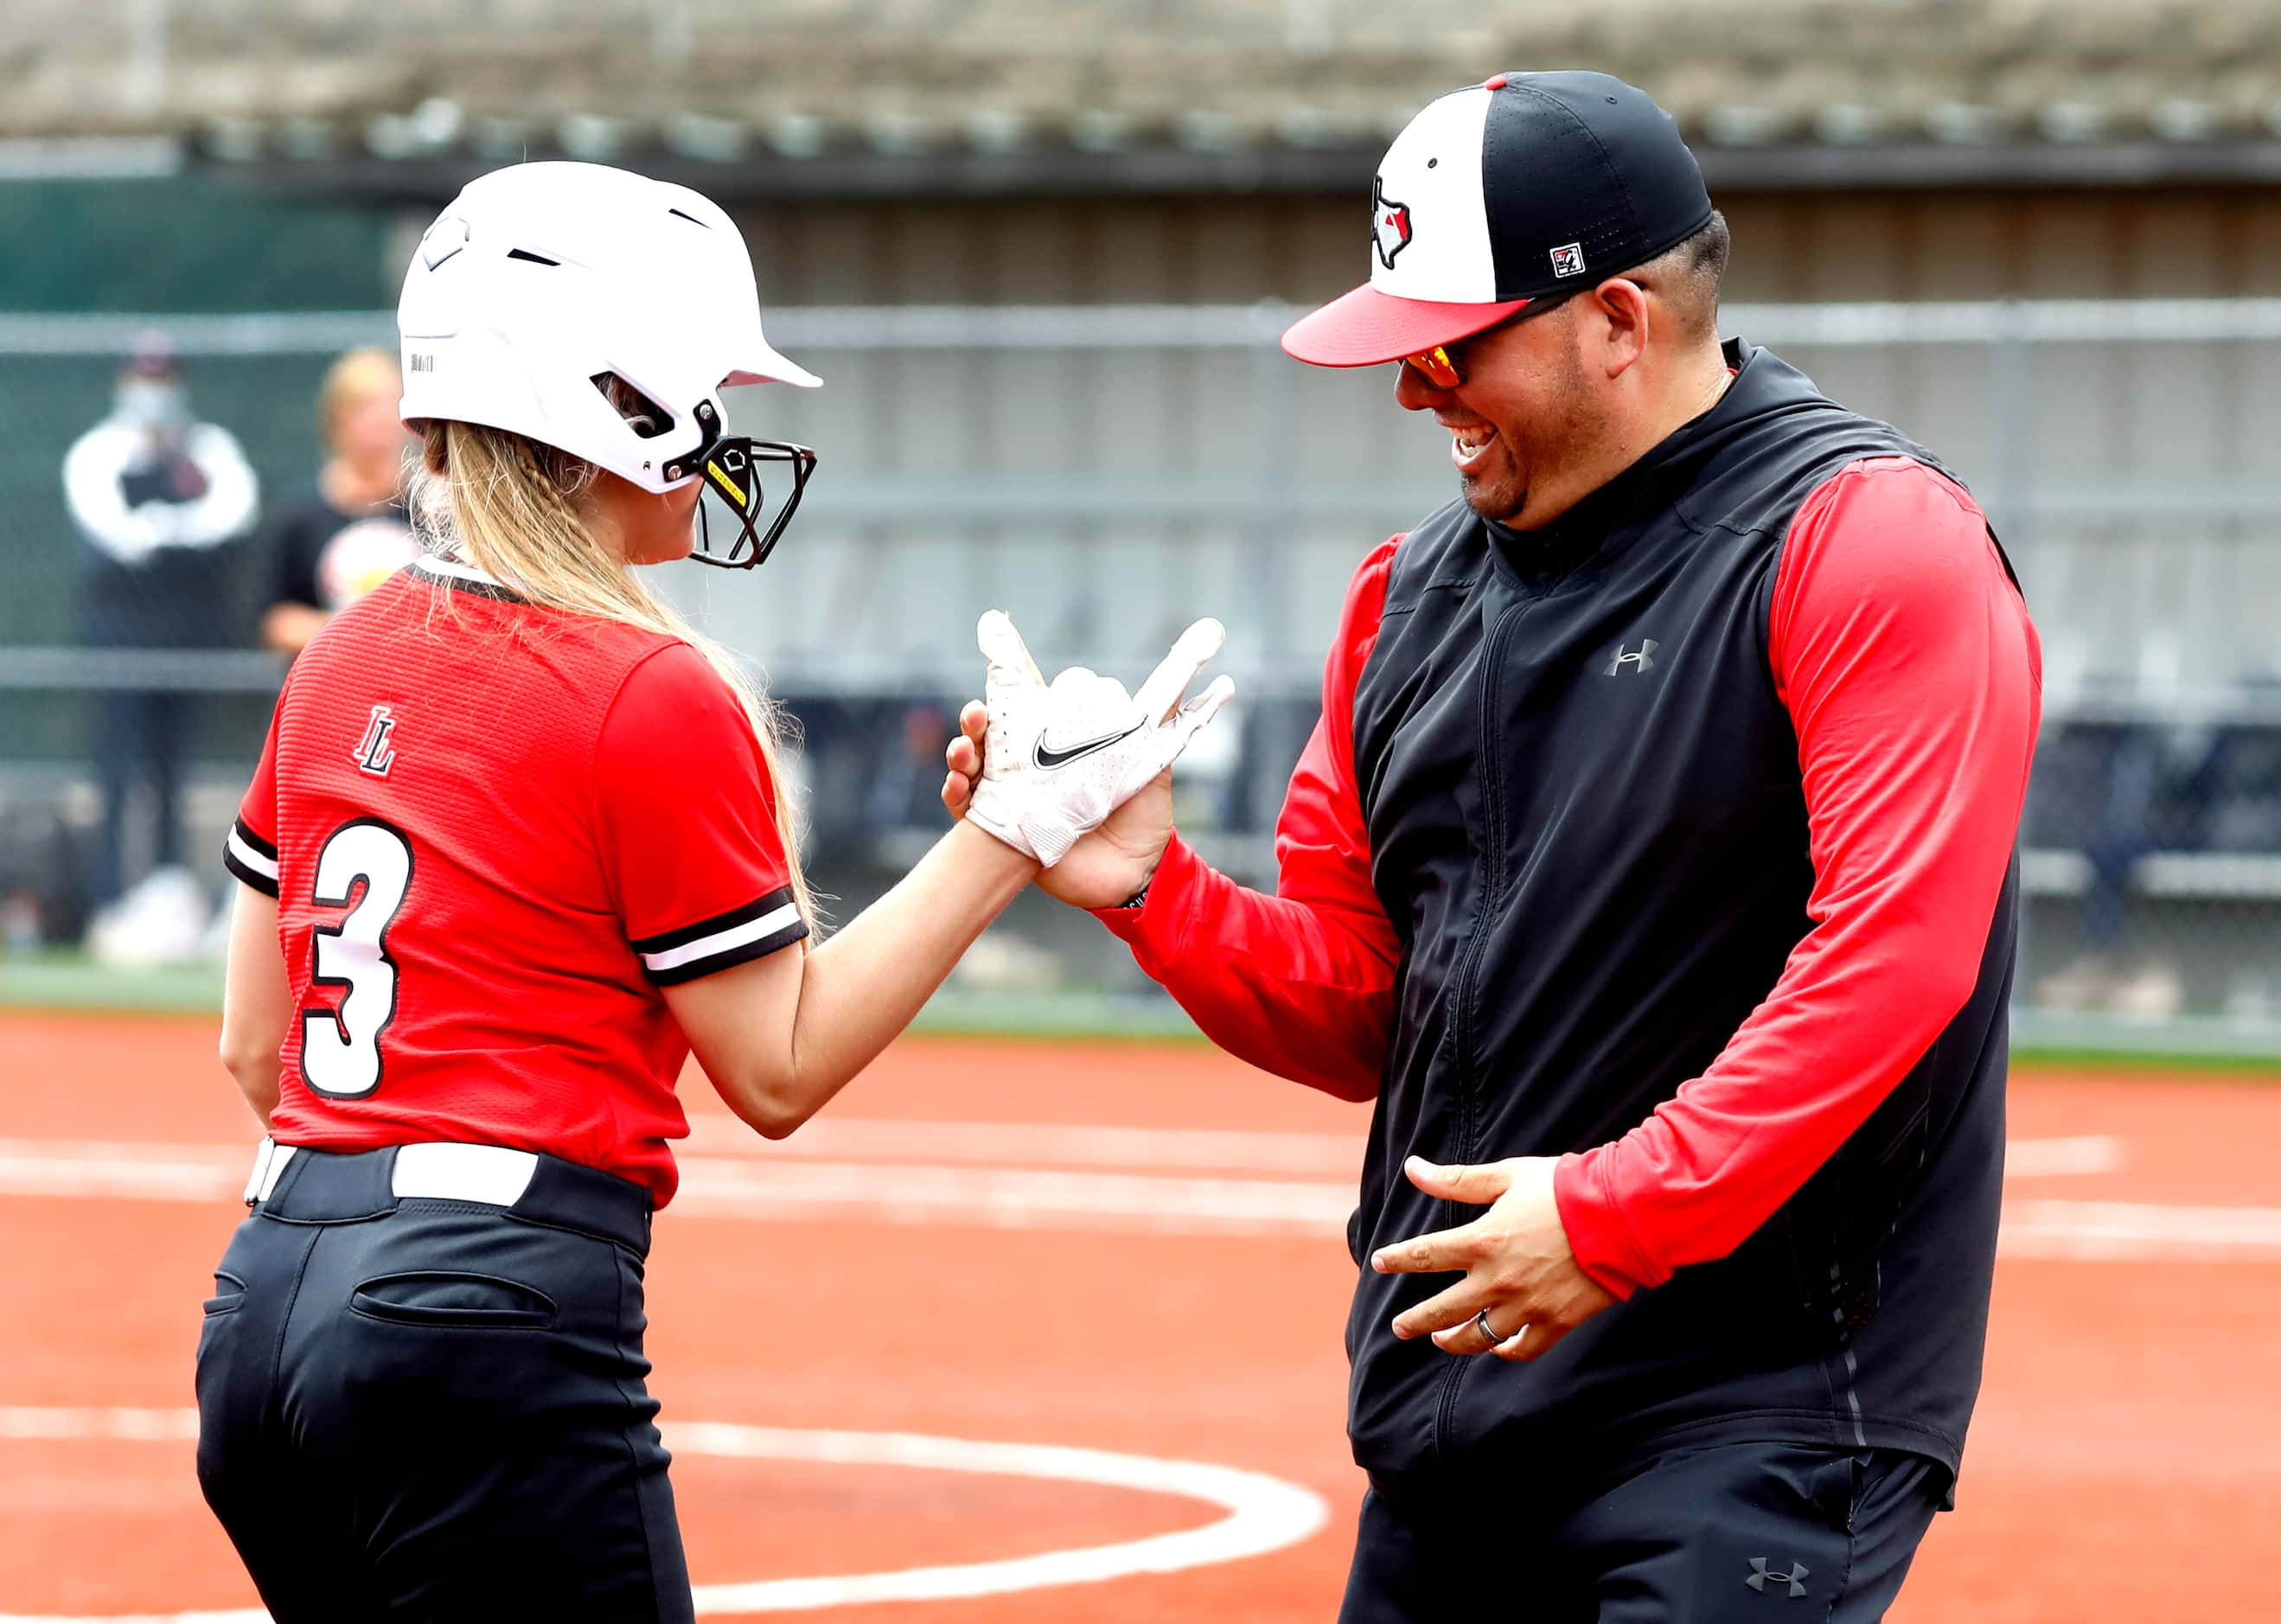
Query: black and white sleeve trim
point(251, 858)
point(752, 932)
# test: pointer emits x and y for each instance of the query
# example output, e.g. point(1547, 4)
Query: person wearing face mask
point(156, 496)
point(1652, 867)
point(344, 536)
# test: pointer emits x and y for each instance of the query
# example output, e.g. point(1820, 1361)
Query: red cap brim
point(1365, 327)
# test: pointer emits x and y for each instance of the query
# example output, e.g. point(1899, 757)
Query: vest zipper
point(1461, 1007)
point(1492, 881)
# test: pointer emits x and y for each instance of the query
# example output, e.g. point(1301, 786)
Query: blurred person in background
point(156, 496)
point(1653, 867)
point(907, 769)
point(336, 541)
point(2104, 788)
point(2123, 792)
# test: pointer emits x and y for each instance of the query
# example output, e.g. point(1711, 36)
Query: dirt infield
point(1124, 1259)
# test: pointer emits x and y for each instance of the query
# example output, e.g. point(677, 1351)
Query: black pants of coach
point(434, 1410)
point(1727, 1534)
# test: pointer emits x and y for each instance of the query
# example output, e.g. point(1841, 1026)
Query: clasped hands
point(1045, 765)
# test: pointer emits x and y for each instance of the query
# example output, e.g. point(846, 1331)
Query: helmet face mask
point(731, 470)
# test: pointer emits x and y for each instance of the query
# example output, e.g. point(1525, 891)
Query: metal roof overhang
point(865, 175)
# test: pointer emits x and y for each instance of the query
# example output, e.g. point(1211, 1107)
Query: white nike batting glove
point(1057, 760)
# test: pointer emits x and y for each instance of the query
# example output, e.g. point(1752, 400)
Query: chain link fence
point(1108, 472)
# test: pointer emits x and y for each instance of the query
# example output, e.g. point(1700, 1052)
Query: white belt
point(437, 1169)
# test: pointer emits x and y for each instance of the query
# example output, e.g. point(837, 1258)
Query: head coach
point(1652, 867)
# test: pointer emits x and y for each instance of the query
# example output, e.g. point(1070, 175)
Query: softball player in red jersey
point(514, 850)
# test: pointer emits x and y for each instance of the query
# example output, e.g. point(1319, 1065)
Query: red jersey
point(494, 832)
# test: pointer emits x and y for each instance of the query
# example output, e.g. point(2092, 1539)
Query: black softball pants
point(419, 1407)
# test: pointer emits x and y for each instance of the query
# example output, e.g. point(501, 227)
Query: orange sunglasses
point(1439, 367)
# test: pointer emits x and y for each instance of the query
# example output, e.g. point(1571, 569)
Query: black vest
point(1588, 826)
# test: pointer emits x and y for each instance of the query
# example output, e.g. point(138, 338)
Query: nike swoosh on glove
point(1056, 761)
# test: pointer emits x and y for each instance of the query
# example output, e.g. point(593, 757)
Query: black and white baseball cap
point(1527, 185)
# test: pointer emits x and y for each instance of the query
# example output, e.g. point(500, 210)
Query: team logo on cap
point(1568, 259)
point(1389, 223)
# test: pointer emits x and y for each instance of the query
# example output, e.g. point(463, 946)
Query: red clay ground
point(2126, 1463)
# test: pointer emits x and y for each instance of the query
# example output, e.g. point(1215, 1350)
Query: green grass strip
point(72, 983)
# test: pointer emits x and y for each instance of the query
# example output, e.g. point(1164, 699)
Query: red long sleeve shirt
point(1905, 658)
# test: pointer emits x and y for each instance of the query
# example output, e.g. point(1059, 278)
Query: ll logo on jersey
point(374, 754)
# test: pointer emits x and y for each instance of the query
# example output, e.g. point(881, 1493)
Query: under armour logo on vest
point(1760, 1577)
point(1641, 663)
point(373, 752)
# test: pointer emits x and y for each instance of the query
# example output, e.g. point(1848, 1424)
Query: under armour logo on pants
point(1760, 1577)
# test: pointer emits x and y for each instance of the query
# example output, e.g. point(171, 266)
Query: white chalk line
point(1264, 1513)
point(764, 1188)
point(1053, 1144)
point(1017, 1197)
point(901, 1193)
point(2076, 1156)
point(1037, 1144)
point(2116, 1231)
point(1079, 1145)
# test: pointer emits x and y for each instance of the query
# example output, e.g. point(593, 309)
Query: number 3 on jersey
point(340, 1049)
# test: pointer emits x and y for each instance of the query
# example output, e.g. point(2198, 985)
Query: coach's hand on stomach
point(1099, 821)
point(1519, 1272)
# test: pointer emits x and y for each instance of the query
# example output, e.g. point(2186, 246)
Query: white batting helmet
point(540, 282)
